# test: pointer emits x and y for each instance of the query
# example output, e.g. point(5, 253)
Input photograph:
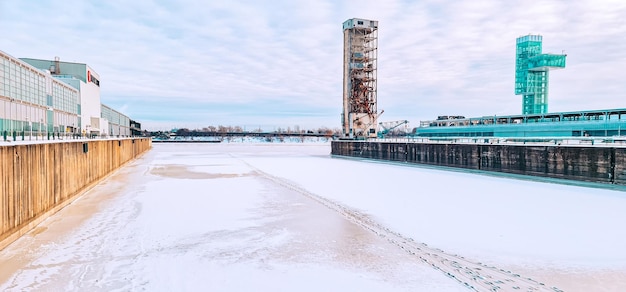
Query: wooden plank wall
point(36, 179)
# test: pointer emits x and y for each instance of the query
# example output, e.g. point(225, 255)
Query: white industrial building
point(50, 98)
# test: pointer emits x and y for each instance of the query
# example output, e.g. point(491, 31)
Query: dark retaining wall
point(582, 163)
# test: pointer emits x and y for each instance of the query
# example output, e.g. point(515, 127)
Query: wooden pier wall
point(36, 180)
point(581, 163)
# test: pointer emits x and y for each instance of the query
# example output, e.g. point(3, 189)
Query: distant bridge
point(192, 134)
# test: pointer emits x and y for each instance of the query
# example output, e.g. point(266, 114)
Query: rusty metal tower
point(360, 52)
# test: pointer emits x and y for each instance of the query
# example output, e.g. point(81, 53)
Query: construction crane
point(386, 127)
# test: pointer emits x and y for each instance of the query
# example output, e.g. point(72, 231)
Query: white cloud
point(435, 57)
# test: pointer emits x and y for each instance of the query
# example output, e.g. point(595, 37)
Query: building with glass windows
point(53, 98)
point(33, 101)
point(117, 124)
point(532, 68)
point(591, 123)
point(531, 81)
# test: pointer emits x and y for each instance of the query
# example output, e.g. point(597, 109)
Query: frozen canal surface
point(288, 217)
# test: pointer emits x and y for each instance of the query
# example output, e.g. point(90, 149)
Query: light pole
point(30, 137)
point(47, 129)
point(11, 118)
point(5, 125)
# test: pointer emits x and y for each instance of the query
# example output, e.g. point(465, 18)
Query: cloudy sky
point(279, 63)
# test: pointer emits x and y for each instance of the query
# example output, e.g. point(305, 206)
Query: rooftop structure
point(360, 49)
point(86, 81)
point(531, 73)
point(591, 123)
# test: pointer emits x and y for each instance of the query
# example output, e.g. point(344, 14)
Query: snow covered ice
point(288, 217)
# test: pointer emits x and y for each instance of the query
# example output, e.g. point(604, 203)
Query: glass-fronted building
point(532, 68)
point(54, 98)
point(118, 123)
point(33, 101)
point(593, 123)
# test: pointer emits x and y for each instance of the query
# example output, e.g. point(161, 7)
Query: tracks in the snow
point(473, 275)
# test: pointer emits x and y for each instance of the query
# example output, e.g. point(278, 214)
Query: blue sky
point(278, 63)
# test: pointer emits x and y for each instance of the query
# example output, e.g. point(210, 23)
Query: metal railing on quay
point(25, 136)
point(613, 141)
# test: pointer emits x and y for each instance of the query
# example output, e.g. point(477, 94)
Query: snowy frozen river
point(288, 217)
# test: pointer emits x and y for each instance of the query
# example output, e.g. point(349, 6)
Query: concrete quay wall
point(581, 163)
point(37, 180)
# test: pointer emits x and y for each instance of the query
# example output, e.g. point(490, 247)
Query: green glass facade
point(531, 73)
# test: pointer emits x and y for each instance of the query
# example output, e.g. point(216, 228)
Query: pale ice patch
point(490, 218)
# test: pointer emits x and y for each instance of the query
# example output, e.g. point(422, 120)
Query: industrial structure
point(531, 81)
point(388, 127)
point(595, 123)
point(53, 98)
point(360, 49)
point(531, 73)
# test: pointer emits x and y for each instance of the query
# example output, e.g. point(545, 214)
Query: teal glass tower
point(531, 73)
